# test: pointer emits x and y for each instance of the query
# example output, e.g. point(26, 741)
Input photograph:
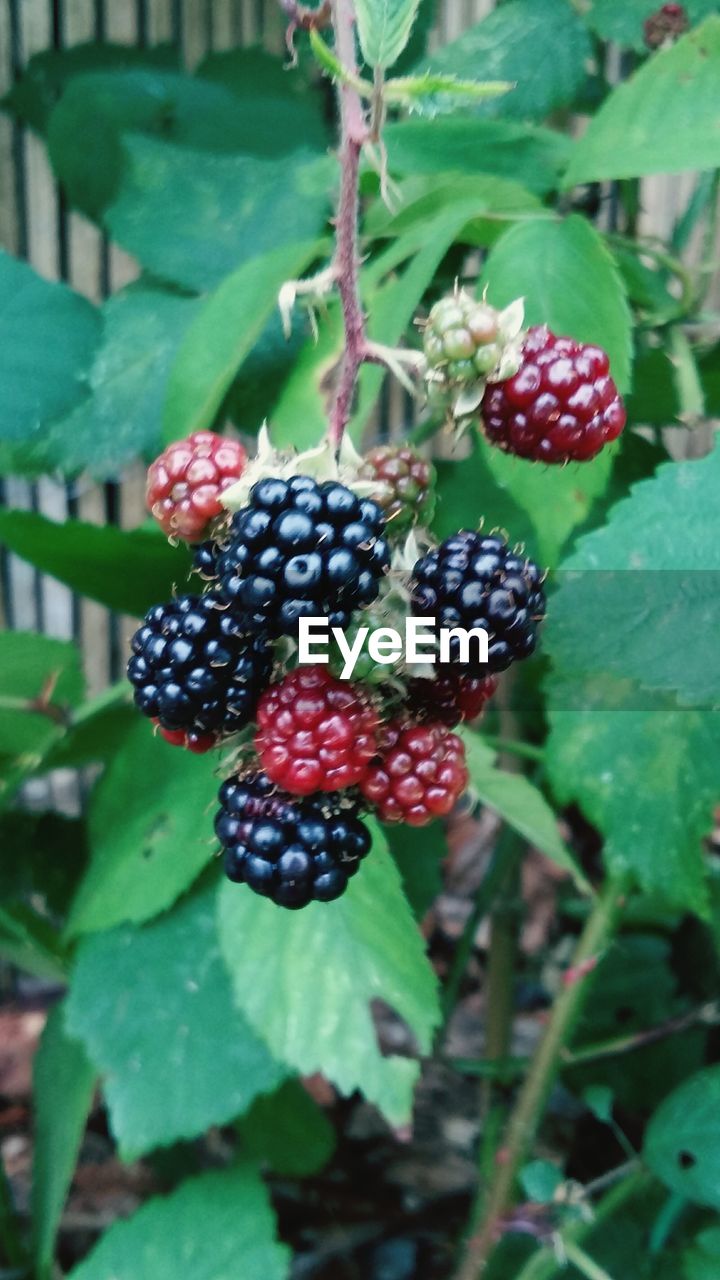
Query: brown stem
point(354, 132)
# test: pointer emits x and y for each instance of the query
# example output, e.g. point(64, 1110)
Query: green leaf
point(702, 1260)
point(664, 119)
point(219, 1226)
point(682, 1141)
point(43, 857)
point(544, 49)
point(519, 803)
point(466, 144)
point(30, 943)
point(38, 88)
point(469, 493)
point(432, 92)
point(223, 334)
point(47, 338)
point(622, 20)
point(419, 854)
point(288, 1131)
point(647, 576)
point(540, 1180)
point(40, 681)
point(193, 217)
point(384, 28)
point(489, 202)
point(145, 999)
point(542, 260)
point(150, 835)
point(305, 983)
point(121, 418)
point(126, 570)
point(63, 1086)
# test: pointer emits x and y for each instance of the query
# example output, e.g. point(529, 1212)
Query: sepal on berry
point(322, 463)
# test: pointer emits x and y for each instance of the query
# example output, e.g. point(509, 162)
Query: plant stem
point(584, 1263)
point(526, 1116)
point(353, 133)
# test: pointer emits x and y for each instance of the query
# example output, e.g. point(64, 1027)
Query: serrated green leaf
point(48, 335)
point(305, 983)
point(384, 28)
point(145, 1000)
point(466, 144)
point(433, 92)
point(702, 1260)
point(541, 260)
point(664, 119)
point(63, 1086)
point(149, 832)
point(193, 217)
point(490, 202)
point(223, 333)
point(126, 570)
point(522, 806)
point(419, 854)
point(682, 1141)
point(543, 49)
point(288, 1131)
point(121, 417)
point(218, 1226)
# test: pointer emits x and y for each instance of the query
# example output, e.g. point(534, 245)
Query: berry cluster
point(276, 544)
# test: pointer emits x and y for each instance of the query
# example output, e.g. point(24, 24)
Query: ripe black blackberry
point(194, 670)
point(291, 850)
point(473, 581)
point(301, 549)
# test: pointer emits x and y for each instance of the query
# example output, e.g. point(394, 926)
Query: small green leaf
point(540, 1180)
point(543, 49)
point(219, 1226)
point(682, 1141)
point(63, 1086)
point(224, 332)
point(126, 570)
point(288, 1131)
point(664, 119)
point(149, 832)
point(598, 1098)
point(305, 983)
point(541, 260)
point(47, 338)
point(519, 803)
point(143, 1000)
point(193, 217)
point(433, 91)
point(384, 28)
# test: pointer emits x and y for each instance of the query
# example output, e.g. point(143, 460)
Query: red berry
point(561, 405)
point(667, 24)
point(199, 743)
point(418, 774)
point(406, 486)
point(184, 484)
point(315, 733)
point(450, 696)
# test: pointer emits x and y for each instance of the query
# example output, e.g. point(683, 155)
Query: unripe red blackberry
point(666, 25)
point(418, 774)
point(405, 486)
point(560, 406)
point(185, 483)
point(315, 733)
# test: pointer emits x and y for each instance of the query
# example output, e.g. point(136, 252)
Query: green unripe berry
point(458, 344)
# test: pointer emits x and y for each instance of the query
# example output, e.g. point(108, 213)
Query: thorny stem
point(527, 1113)
point(545, 1264)
point(354, 132)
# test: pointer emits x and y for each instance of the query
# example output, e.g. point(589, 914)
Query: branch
point(353, 133)
point(526, 1116)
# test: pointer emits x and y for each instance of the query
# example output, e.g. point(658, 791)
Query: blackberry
point(185, 484)
point(194, 670)
point(418, 774)
point(449, 697)
point(476, 581)
point(665, 26)
point(302, 549)
point(405, 486)
point(291, 850)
